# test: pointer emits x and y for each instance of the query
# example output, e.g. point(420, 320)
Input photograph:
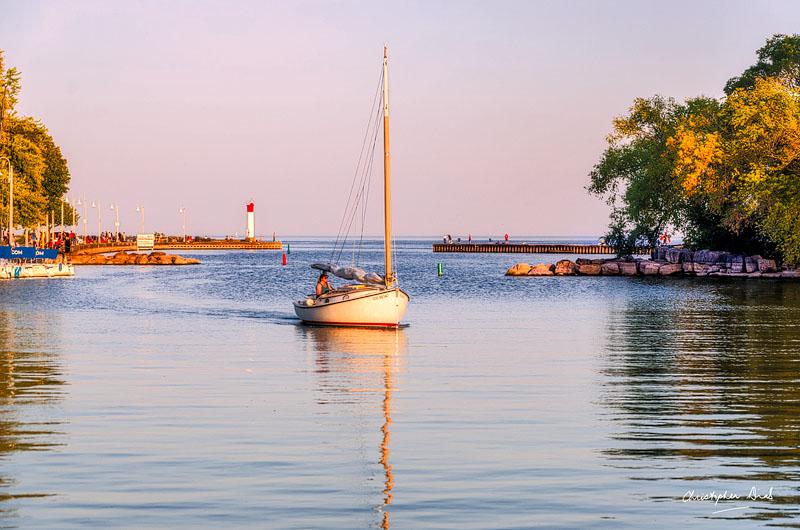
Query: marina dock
point(528, 248)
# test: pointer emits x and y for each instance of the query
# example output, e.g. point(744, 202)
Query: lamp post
point(140, 209)
point(10, 201)
point(115, 208)
point(85, 219)
point(97, 205)
point(183, 212)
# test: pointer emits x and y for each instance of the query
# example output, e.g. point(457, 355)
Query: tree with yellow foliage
point(727, 171)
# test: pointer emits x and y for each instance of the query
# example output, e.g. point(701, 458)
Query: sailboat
point(373, 300)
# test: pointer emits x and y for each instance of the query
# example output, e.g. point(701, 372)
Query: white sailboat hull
point(36, 270)
point(361, 306)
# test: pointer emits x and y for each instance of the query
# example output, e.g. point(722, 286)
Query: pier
point(526, 248)
point(216, 244)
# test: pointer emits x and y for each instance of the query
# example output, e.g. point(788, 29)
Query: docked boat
point(31, 262)
point(373, 300)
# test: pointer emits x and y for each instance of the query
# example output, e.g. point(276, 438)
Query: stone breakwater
point(124, 258)
point(664, 262)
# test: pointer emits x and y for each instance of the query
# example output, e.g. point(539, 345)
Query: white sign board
point(145, 241)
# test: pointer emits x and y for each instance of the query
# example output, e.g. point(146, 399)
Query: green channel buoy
point(288, 248)
point(439, 268)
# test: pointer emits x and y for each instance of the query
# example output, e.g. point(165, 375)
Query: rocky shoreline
point(664, 262)
point(125, 258)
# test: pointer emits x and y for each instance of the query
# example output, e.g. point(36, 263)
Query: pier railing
point(102, 248)
point(528, 248)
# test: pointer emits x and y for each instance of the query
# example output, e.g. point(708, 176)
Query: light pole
point(10, 201)
point(72, 206)
point(85, 219)
point(140, 209)
point(115, 208)
point(97, 205)
point(183, 212)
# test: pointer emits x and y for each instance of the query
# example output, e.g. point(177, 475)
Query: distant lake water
point(187, 397)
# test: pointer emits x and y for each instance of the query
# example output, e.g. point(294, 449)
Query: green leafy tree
point(41, 174)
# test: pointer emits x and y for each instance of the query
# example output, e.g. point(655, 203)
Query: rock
point(180, 260)
point(541, 269)
point(750, 264)
point(790, 274)
point(587, 261)
point(771, 275)
point(701, 269)
point(163, 259)
point(157, 253)
point(609, 268)
point(627, 268)
point(96, 259)
point(659, 253)
point(672, 255)
point(710, 256)
point(649, 268)
point(688, 267)
point(590, 269)
point(736, 264)
point(141, 259)
point(686, 256)
point(766, 265)
point(520, 269)
point(670, 269)
point(565, 267)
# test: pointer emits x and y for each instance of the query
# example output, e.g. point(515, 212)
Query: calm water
point(191, 397)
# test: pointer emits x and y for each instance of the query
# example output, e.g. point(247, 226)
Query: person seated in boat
point(323, 285)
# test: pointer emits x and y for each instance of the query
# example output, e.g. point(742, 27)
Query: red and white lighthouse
point(251, 221)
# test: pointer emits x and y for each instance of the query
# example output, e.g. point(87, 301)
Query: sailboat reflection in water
point(374, 300)
point(358, 361)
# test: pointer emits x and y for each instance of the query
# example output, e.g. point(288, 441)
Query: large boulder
point(766, 265)
point(565, 267)
point(672, 255)
point(628, 268)
point(750, 264)
point(609, 268)
point(157, 253)
point(180, 260)
point(589, 269)
point(671, 269)
point(520, 269)
point(96, 259)
point(141, 259)
point(589, 261)
point(688, 267)
point(542, 269)
point(649, 268)
point(790, 274)
point(736, 264)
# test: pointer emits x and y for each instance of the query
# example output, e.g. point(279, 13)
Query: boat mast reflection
point(355, 355)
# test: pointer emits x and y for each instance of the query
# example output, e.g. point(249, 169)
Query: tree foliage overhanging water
point(41, 175)
point(724, 172)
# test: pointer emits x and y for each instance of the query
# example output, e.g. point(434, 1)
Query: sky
point(499, 109)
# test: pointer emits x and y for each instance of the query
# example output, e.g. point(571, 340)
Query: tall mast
point(387, 209)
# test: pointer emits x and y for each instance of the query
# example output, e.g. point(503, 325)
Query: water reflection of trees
point(352, 365)
point(708, 372)
point(30, 382)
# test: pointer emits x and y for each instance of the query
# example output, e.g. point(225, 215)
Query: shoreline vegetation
point(41, 175)
point(723, 173)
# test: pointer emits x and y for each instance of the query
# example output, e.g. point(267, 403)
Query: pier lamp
point(97, 205)
point(115, 209)
point(10, 201)
point(140, 209)
point(85, 218)
point(182, 211)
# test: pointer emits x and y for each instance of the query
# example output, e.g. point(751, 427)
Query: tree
point(779, 57)
point(725, 173)
point(41, 174)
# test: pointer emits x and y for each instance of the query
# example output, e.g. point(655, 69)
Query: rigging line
point(364, 177)
point(364, 180)
point(360, 157)
point(369, 181)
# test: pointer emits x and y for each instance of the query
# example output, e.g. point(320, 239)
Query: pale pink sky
point(499, 109)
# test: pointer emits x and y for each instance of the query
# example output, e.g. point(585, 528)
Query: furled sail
point(349, 273)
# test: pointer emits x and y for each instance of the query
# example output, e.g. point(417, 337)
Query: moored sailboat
point(373, 300)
